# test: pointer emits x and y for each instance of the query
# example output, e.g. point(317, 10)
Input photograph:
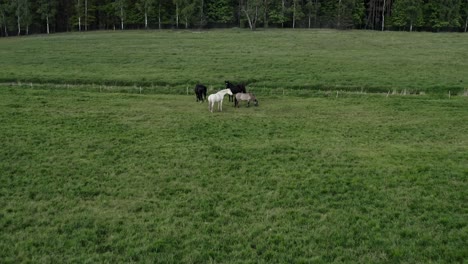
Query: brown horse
point(246, 97)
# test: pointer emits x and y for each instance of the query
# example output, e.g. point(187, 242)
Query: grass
point(285, 59)
point(112, 177)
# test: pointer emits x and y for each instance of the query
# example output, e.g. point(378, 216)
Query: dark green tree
point(220, 11)
point(145, 7)
point(4, 15)
point(464, 14)
point(188, 12)
point(443, 14)
point(252, 9)
point(279, 12)
point(407, 13)
point(120, 7)
point(47, 9)
point(312, 8)
point(296, 11)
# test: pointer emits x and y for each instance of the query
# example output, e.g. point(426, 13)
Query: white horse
point(217, 97)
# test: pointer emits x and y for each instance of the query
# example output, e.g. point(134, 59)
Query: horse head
point(229, 84)
point(253, 98)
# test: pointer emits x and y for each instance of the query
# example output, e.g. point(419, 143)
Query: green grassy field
point(113, 177)
point(291, 59)
point(94, 171)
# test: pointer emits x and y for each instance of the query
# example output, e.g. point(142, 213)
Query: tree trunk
point(86, 15)
point(248, 19)
point(79, 15)
point(383, 16)
point(466, 23)
point(27, 16)
point(256, 18)
point(338, 24)
point(411, 26)
point(282, 13)
point(177, 15)
point(252, 20)
point(47, 20)
point(19, 25)
point(146, 20)
point(121, 18)
point(4, 25)
point(240, 13)
point(294, 14)
point(201, 13)
point(159, 15)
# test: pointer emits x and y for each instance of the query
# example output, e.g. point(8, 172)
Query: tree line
point(23, 17)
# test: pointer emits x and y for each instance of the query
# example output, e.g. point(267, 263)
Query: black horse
point(200, 92)
point(239, 88)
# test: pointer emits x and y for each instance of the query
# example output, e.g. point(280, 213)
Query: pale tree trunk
point(294, 13)
point(383, 16)
point(121, 18)
point(248, 19)
point(466, 20)
point(146, 20)
point(252, 20)
point(5, 25)
point(79, 15)
point(411, 26)
point(466, 23)
point(19, 24)
point(47, 20)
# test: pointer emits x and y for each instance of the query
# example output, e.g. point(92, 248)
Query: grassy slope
point(320, 59)
point(116, 177)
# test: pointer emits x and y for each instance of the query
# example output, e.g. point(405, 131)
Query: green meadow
point(330, 167)
point(302, 59)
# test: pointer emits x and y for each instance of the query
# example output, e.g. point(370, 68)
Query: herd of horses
point(236, 93)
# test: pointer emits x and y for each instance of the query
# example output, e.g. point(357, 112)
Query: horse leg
point(220, 105)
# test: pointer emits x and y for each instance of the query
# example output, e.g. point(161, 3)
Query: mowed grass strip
point(109, 177)
point(302, 59)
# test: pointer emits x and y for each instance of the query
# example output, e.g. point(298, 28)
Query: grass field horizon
point(368, 61)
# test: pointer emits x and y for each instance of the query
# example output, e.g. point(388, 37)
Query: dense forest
point(23, 17)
